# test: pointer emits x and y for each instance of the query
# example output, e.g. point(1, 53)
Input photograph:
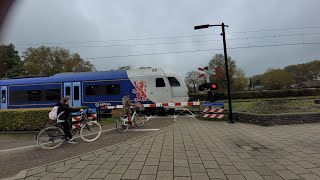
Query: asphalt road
point(13, 161)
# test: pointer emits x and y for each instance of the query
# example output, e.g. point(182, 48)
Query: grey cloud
point(61, 21)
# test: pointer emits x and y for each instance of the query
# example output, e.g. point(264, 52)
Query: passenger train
point(149, 85)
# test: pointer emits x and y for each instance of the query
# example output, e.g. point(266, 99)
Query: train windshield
point(173, 81)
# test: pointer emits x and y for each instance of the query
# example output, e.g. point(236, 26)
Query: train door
point(73, 89)
point(179, 89)
point(68, 91)
point(76, 98)
point(162, 92)
point(4, 97)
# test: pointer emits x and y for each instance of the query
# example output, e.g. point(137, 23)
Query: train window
point(113, 89)
point(173, 81)
point(68, 91)
point(53, 95)
point(103, 89)
point(160, 82)
point(3, 96)
point(18, 96)
point(76, 93)
point(91, 90)
point(34, 95)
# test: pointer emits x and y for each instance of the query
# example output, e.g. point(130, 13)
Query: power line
point(185, 42)
point(158, 38)
point(217, 49)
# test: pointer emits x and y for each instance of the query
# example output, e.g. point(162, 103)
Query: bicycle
point(137, 117)
point(53, 136)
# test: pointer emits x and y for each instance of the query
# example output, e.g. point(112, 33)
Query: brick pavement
point(193, 149)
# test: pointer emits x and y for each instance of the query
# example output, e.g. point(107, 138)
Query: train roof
point(68, 77)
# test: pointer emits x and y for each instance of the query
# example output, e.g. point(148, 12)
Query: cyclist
point(126, 102)
point(64, 114)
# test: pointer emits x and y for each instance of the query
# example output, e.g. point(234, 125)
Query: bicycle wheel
point(139, 119)
point(50, 137)
point(90, 131)
point(121, 125)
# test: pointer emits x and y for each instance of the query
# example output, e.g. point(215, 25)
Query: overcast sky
point(90, 27)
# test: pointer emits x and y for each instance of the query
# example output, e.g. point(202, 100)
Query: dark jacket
point(67, 110)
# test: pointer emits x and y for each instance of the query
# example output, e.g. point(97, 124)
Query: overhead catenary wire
point(194, 41)
point(158, 38)
point(199, 50)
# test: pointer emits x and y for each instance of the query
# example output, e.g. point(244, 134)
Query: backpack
point(53, 114)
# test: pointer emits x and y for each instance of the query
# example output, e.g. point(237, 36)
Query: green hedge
point(24, 119)
point(262, 94)
point(32, 119)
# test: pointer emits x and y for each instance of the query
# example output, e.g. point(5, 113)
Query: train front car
point(153, 85)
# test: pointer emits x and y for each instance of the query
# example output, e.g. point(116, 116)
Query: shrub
point(24, 119)
point(262, 94)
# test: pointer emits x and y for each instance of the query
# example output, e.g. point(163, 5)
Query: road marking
point(143, 129)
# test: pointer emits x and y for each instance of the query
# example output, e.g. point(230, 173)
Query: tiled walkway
point(193, 149)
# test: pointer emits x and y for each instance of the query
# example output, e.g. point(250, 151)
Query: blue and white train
point(149, 85)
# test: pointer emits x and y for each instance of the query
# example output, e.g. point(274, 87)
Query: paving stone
point(119, 169)
point(194, 160)
point(216, 174)
point(90, 169)
point(113, 176)
point(286, 174)
point(229, 170)
point(152, 161)
point(298, 169)
point(166, 158)
point(182, 178)
point(236, 177)
point(140, 158)
point(63, 168)
point(181, 163)
point(165, 175)
point(251, 175)
point(136, 165)
point(99, 160)
point(181, 171)
point(315, 171)
point(147, 177)
point(224, 161)
point(206, 157)
point(166, 166)
point(36, 170)
point(202, 176)
point(32, 178)
point(81, 176)
point(272, 177)
point(125, 161)
point(131, 174)
point(70, 173)
point(180, 156)
point(50, 176)
point(108, 165)
point(197, 168)
point(306, 164)
point(149, 170)
point(115, 158)
point(310, 176)
point(100, 174)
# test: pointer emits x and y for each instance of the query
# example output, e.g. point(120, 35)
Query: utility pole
point(226, 64)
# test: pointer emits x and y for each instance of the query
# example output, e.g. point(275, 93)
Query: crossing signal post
point(223, 34)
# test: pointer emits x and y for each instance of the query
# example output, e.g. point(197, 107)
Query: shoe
point(72, 141)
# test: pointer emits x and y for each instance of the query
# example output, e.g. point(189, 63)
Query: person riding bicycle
point(64, 114)
point(126, 102)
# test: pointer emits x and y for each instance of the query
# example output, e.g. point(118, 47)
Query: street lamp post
point(226, 63)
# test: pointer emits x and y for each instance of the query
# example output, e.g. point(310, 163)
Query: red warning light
point(214, 86)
